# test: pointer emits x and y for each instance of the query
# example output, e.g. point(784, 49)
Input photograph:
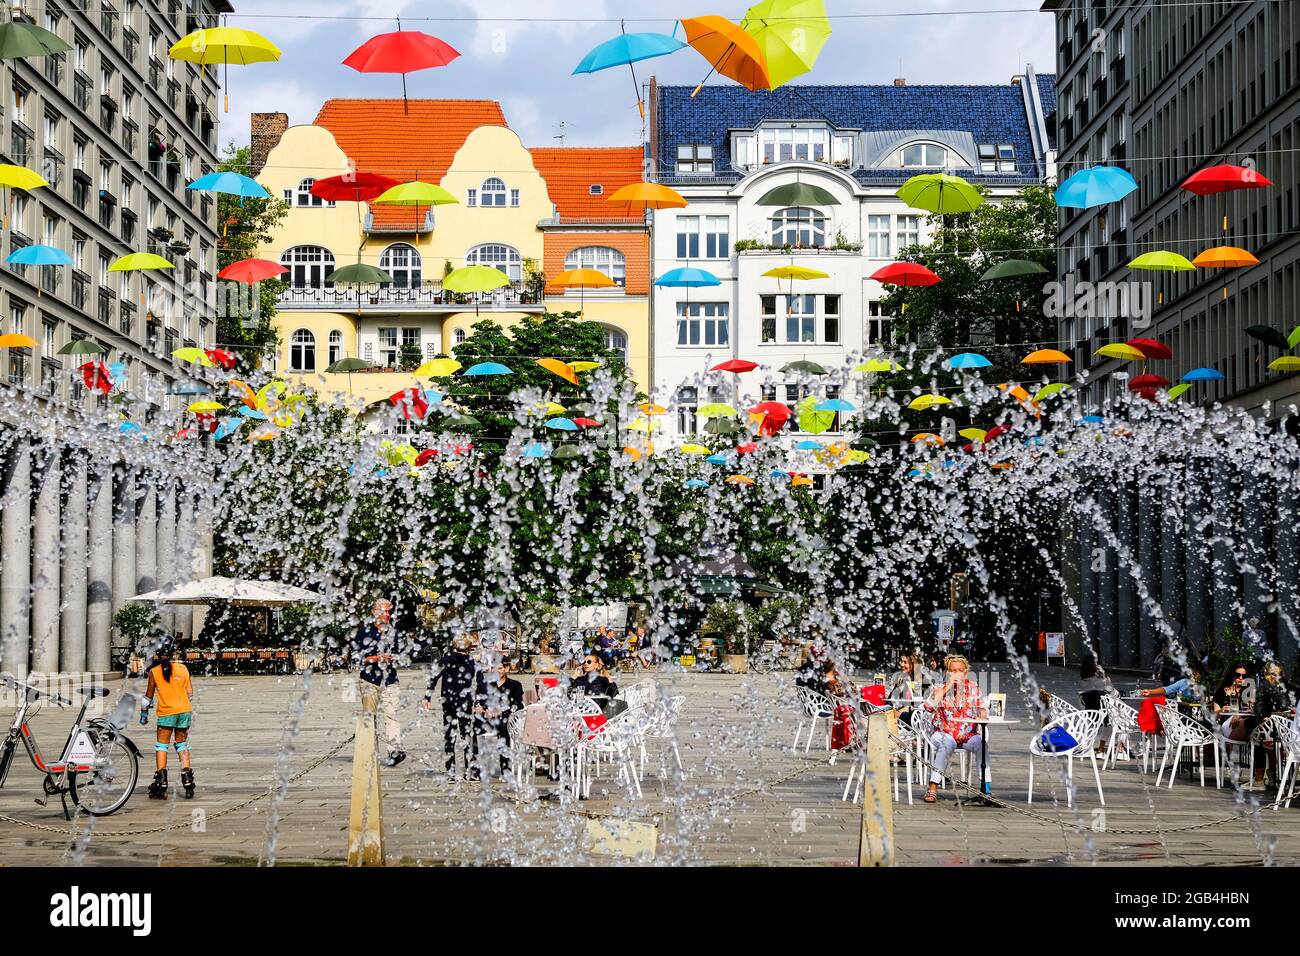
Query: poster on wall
point(1054, 645)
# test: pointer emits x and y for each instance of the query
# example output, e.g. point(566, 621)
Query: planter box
point(736, 663)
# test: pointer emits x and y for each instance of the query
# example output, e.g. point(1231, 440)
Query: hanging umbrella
point(923, 402)
point(722, 426)
point(771, 417)
point(1285, 363)
point(808, 444)
point(83, 347)
point(687, 278)
point(878, 365)
point(692, 448)
point(1012, 268)
point(730, 51)
point(562, 424)
point(415, 194)
point(1045, 357)
point(21, 40)
point(400, 52)
point(905, 274)
point(205, 406)
point(412, 403)
point(1293, 339)
point(488, 368)
point(566, 452)
point(357, 274)
point(96, 377)
point(940, 193)
point(586, 422)
point(1203, 375)
point(714, 409)
point(1224, 178)
point(16, 340)
point(437, 368)
point(626, 49)
point(250, 271)
point(224, 45)
point(802, 365)
point(1177, 390)
point(39, 256)
point(811, 419)
point(1151, 349)
point(582, 280)
point(735, 365)
point(796, 272)
point(536, 449)
point(584, 366)
point(192, 354)
point(1224, 257)
point(17, 177)
point(222, 357)
point(649, 408)
point(1267, 335)
point(743, 480)
point(798, 194)
point(562, 369)
point(790, 34)
point(138, 261)
point(835, 405)
point(1161, 261)
point(696, 483)
point(643, 196)
point(973, 434)
point(231, 184)
point(928, 438)
point(1095, 187)
point(1047, 391)
point(1125, 353)
point(965, 360)
point(1148, 381)
point(353, 187)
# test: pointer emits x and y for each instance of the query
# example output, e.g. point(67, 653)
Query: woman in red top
point(954, 703)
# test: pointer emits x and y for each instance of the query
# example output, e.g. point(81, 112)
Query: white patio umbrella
point(219, 590)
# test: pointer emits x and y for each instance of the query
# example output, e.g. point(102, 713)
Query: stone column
point(1197, 562)
point(1286, 552)
point(1126, 637)
point(72, 635)
point(1173, 558)
point(186, 552)
point(124, 514)
point(1107, 578)
point(1149, 555)
point(167, 548)
point(16, 557)
point(146, 537)
point(45, 561)
point(99, 570)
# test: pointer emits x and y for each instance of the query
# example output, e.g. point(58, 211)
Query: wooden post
point(365, 822)
point(876, 838)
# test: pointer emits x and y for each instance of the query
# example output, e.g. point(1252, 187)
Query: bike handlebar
point(8, 678)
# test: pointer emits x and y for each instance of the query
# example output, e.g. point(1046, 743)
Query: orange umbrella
point(1045, 357)
point(643, 196)
point(1224, 257)
point(730, 51)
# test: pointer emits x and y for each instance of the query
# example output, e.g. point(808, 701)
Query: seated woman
point(1272, 698)
point(954, 703)
point(1227, 696)
point(1095, 685)
point(898, 688)
point(592, 682)
point(1190, 685)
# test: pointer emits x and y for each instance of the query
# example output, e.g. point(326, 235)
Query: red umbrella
point(96, 377)
point(1148, 393)
point(997, 431)
point(1224, 178)
point(353, 187)
point(223, 357)
point(586, 422)
point(735, 365)
point(775, 415)
point(426, 456)
point(1151, 348)
point(400, 52)
point(411, 403)
point(1142, 382)
point(252, 270)
point(905, 274)
point(747, 448)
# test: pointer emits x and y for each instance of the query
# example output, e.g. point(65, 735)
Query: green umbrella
point(812, 368)
point(1267, 335)
point(458, 420)
point(358, 273)
point(1162, 261)
point(1010, 268)
point(798, 194)
point(83, 347)
point(565, 452)
point(19, 39)
point(1294, 338)
point(939, 192)
point(722, 426)
point(349, 365)
point(811, 420)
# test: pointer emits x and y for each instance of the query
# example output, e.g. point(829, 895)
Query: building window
point(301, 196)
point(49, 340)
point(616, 341)
point(924, 155)
point(514, 197)
point(493, 193)
point(768, 309)
point(458, 337)
point(879, 326)
point(909, 231)
point(801, 318)
point(1001, 157)
point(471, 197)
point(302, 351)
point(831, 319)
point(335, 346)
point(596, 189)
point(602, 259)
point(798, 226)
point(402, 262)
point(688, 400)
point(498, 256)
point(388, 346)
point(702, 323)
point(707, 237)
point(788, 145)
point(695, 159)
point(878, 237)
point(308, 266)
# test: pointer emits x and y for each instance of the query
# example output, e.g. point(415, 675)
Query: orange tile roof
point(570, 172)
point(635, 247)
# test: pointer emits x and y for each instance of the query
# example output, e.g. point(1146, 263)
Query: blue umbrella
point(132, 428)
point(1095, 187)
point(835, 405)
point(188, 388)
point(562, 424)
point(432, 397)
point(226, 427)
point(1092, 419)
point(1202, 375)
point(687, 278)
point(779, 475)
point(233, 184)
point(252, 413)
point(696, 483)
point(717, 459)
point(808, 445)
point(488, 368)
point(536, 449)
point(38, 256)
point(626, 49)
point(968, 360)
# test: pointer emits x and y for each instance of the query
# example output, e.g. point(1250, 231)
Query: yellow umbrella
point(879, 365)
point(17, 177)
point(16, 340)
point(694, 449)
point(192, 354)
point(137, 261)
point(796, 272)
point(650, 408)
point(437, 368)
point(922, 402)
point(224, 45)
point(642, 425)
point(643, 196)
point(205, 406)
point(562, 369)
point(583, 366)
point(1118, 350)
point(1286, 363)
point(973, 434)
point(715, 410)
point(415, 194)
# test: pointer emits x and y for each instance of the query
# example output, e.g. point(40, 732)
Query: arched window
point(798, 226)
point(402, 262)
point(602, 259)
point(924, 156)
point(616, 341)
point(493, 192)
point(498, 256)
point(336, 346)
point(308, 266)
point(458, 337)
point(301, 195)
point(302, 351)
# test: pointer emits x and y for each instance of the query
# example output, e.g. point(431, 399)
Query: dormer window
point(794, 144)
point(997, 158)
point(596, 189)
point(924, 156)
point(695, 159)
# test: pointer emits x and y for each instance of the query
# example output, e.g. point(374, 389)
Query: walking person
point(375, 650)
point(460, 682)
point(169, 682)
point(496, 701)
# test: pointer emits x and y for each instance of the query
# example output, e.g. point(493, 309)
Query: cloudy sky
point(522, 53)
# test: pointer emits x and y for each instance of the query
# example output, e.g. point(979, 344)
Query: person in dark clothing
point(1094, 683)
point(374, 648)
point(460, 680)
point(591, 682)
point(496, 701)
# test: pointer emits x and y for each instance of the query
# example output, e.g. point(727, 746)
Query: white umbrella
point(219, 590)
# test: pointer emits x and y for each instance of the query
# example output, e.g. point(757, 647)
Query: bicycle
point(99, 766)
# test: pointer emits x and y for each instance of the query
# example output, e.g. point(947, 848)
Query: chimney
point(900, 81)
point(267, 128)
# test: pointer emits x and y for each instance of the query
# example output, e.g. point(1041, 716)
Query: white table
point(981, 800)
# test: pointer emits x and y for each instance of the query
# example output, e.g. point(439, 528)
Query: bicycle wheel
point(107, 787)
point(6, 758)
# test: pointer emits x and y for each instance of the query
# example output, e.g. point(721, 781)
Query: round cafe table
point(981, 800)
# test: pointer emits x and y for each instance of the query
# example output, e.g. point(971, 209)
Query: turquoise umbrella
point(835, 405)
point(687, 278)
point(536, 449)
point(626, 49)
point(39, 256)
point(696, 483)
point(1095, 187)
point(488, 368)
point(968, 360)
point(562, 424)
point(232, 184)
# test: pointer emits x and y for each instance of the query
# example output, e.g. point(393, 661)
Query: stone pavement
point(746, 798)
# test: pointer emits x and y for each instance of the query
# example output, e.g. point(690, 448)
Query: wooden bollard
point(876, 838)
point(366, 819)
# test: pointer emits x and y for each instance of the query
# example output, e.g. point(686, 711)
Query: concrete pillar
point(1256, 543)
point(187, 558)
point(146, 537)
point(1107, 584)
point(1286, 623)
point(124, 515)
point(1197, 562)
point(1225, 582)
point(1149, 558)
point(167, 549)
point(75, 577)
point(1126, 638)
point(45, 561)
point(1173, 557)
point(99, 570)
point(16, 557)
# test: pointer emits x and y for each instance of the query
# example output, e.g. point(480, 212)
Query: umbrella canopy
point(1151, 349)
point(923, 402)
point(488, 368)
point(204, 406)
point(1123, 352)
point(735, 365)
point(1047, 391)
point(968, 360)
point(808, 444)
point(224, 45)
point(644, 196)
point(1224, 178)
point(796, 272)
point(1161, 260)
point(136, 261)
point(438, 368)
point(714, 409)
point(403, 51)
point(1011, 268)
point(771, 417)
point(20, 40)
point(691, 448)
point(252, 270)
point(565, 452)
point(20, 177)
point(221, 590)
point(1045, 357)
point(358, 273)
point(696, 483)
point(1138, 382)
point(1177, 390)
point(835, 405)
point(562, 369)
point(811, 418)
point(1203, 375)
point(194, 354)
point(1285, 363)
point(1095, 187)
point(790, 34)
point(687, 278)
point(802, 365)
point(415, 193)
point(729, 49)
point(232, 184)
point(739, 480)
point(16, 340)
point(798, 194)
point(349, 365)
point(1225, 257)
point(1267, 335)
point(582, 279)
point(973, 434)
point(941, 193)
point(878, 365)
point(475, 279)
point(626, 49)
point(352, 187)
point(928, 438)
point(722, 426)
point(562, 424)
point(83, 347)
point(39, 256)
point(223, 357)
point(905, 274)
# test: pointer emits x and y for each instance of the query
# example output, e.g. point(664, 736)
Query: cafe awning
point(221, 590)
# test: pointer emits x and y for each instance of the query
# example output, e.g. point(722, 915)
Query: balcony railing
point(429, 296)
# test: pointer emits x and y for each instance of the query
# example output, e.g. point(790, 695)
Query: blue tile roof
point(991, 113)
point(1047, 96)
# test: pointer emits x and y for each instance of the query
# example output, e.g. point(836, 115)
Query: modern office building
point(726, 149)
point(1163, 90)
point(118, 129)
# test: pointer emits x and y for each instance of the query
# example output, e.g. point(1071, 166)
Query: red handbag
point(1148, 719)
point(842, 727)
point(874, 694)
